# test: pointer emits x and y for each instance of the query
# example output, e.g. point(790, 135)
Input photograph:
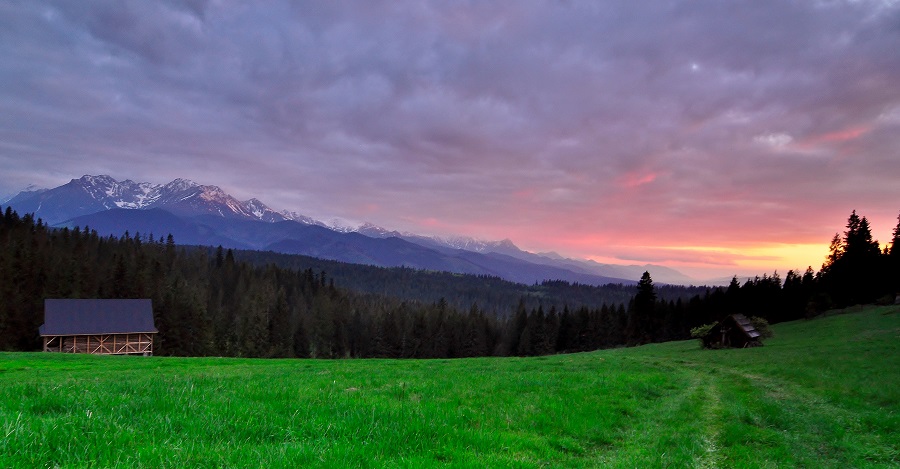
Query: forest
point(493, 294)
point(216, 302)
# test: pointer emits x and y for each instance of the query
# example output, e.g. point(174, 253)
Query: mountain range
point(198, 214)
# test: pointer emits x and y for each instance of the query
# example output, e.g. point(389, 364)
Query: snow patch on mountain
point(375, 231)
point(468, 243)
point(342, 225)
point(294, 216)
point(180, 185)
point(465, 243)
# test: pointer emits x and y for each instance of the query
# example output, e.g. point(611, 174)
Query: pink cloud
point(850, 133)
point(845, 135)
point(636, 179)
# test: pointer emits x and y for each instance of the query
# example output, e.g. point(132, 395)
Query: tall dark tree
point(894, 250)
point(835, 252)
point(854, 269)
point(893, 260)
point(643, 325)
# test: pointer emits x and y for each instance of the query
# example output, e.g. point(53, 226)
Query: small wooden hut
point(107, 327)
point(733, 331)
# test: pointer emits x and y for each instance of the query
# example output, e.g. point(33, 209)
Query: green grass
point(821, 393)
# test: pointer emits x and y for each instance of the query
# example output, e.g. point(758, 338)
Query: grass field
point(821, 393)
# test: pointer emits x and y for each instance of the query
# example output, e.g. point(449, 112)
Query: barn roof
point(83, 317)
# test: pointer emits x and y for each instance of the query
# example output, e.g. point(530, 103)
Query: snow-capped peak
point(186, 197)
point(215, 194)
point(375, 231)
point(471, 244)
point(180, 185)
point(342, 225)
point(465, 243)
point(256, 207)
point(299, 218)
point(180, 196)
point(101, 180)
point(261, 211)
point(111, 193)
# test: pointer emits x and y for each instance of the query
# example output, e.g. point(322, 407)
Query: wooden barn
point(733, 331)
point(107, 327)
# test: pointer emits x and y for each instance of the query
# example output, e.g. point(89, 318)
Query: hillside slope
point(821, 393)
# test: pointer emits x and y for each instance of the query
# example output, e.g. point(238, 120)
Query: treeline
point(207, 302)
point(856, 271)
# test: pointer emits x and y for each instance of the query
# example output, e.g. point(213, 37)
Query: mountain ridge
point(207, 215)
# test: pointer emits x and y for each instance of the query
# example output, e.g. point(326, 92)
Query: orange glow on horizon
point(711, 261)
point(702, 260)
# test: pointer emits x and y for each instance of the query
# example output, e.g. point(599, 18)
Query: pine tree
point(854, 269)
point(894, 251)
point(514, 329)
point(893, 261)
point(643, 326)
point(835, 252)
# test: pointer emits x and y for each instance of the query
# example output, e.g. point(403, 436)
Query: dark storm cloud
point(534, 120)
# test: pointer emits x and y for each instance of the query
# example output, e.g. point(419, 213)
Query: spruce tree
point(894, 250)
point(891, 262)
point(853, 271)
point(643, 326)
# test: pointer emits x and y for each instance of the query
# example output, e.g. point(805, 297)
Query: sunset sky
point(717, 138)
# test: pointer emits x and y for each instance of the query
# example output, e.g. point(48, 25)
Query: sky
point(717, 138)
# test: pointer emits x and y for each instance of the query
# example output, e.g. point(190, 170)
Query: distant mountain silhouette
point(291, 237)
point(205, 215)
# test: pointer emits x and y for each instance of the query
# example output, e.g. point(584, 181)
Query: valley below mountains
point(206, 215)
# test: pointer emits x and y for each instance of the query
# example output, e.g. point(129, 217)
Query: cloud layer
point(683, 132)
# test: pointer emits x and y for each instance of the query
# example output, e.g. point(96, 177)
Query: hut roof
point(83, 317)
point(745, 325)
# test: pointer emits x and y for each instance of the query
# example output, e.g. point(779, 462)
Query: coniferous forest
point(210, 301)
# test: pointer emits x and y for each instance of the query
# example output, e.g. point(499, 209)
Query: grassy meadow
point(821, 393)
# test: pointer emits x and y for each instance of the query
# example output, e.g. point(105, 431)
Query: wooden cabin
point(106, 327)
point(734, 331)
